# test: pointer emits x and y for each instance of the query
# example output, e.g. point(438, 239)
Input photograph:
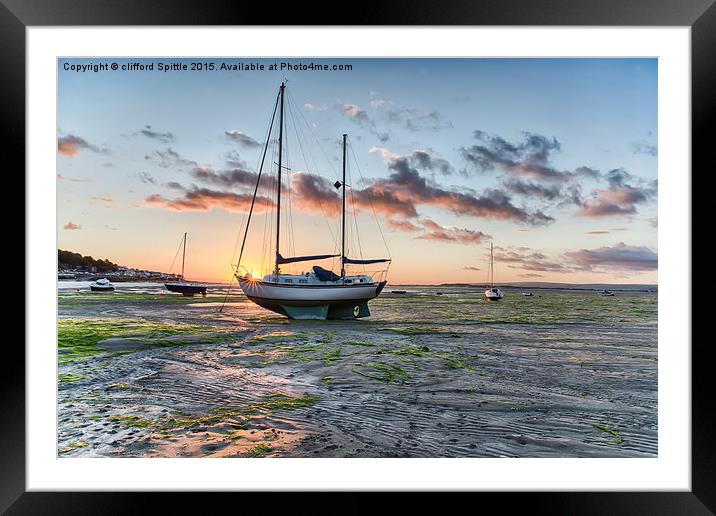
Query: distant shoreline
point(115, 278)
point(554, 286)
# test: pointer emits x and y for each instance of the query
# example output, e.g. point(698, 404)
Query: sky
point(552, 161)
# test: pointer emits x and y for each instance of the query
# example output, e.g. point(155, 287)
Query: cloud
point(524, 258)
point(642, 147)
point(60, 177)
point(169, 158)
point(526, 168)
point(388, 113)
point(451, 234)
point(315, 194)
point(228, 178)
point(314, 107)
point(401, 225)
point(619, 257)
point(597, 232)
point(71, 145)
point(147, 178)
point(471, 268)
point(528, 160)
point(528, 189)
point(424, 160)
point(621, 197)
point(407, 186)
point(71, 226)
point(166, 137)
point(407, 117)
point(360, 117)
point(396, 197)
point(241, 138)
point(233, 160)
point(106, 200)
point(204, 199)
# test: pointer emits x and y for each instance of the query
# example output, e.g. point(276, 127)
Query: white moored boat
point(101, 285)
point(320, 293)
point(492, 293)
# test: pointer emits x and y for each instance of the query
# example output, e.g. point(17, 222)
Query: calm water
point(559, 374)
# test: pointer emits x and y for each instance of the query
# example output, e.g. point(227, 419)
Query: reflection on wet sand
point(563, 374)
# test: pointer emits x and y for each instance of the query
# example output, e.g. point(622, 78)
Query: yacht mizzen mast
point(183, 257)
point(343, 222)
point(492, 270)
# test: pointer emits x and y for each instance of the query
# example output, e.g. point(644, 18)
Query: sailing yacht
point(318, 294)
point(182, 286)
point(492, 293)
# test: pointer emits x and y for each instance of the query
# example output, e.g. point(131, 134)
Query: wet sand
point(559, 374)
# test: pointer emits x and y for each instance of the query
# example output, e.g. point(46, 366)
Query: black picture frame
point(700, 15)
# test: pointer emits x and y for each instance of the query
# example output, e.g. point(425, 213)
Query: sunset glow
point(554, 161)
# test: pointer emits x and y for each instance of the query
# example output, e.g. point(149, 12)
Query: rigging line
point(259, 164)
point(334, 237)
point(355, 218)
point(251, 209)
point(355, 221)
point(290, 242)
point(271, 241)
point(331, 166)
point(175, 256)
point(291, 239)
point(269, 192)
point(256, 189)
point(370, 200)
point(315, 136)
point(193, 254)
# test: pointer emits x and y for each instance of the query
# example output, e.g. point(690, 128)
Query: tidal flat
point(434, 372)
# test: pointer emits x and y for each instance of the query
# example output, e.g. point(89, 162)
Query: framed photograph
point(416, 254)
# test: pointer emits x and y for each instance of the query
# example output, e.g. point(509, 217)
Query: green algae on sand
point(382, 371)
point(78, 339)
point(617, 437)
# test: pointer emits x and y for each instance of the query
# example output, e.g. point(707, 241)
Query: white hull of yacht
point(339, 301)
point(493, 294)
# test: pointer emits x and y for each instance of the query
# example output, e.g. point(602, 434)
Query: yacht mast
point(492, 269)
point(183, 256)
point(278, 202)
point(343, 222)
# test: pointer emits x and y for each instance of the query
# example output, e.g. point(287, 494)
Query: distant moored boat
point(606, 293)
point(183, 287)
point(101, 285)
point(492, 293)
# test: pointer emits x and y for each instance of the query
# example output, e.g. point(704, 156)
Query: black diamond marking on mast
point(337, 185)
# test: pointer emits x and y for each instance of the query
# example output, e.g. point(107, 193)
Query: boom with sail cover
point(365, 262)
point(281, 260)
